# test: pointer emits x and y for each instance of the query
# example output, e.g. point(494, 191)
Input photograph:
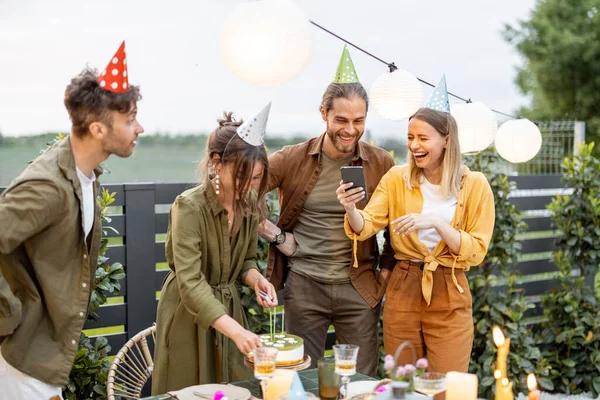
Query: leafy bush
point(496, 298)
point(108, 277)
point(258, 318)
point(571, 335)
point(577, 216)
point(87, 379)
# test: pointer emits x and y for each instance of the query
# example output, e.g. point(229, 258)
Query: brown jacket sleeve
point(25, 210)
point(387, 260)
point(276, 169)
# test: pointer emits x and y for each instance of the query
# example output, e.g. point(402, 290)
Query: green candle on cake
point(290, 348)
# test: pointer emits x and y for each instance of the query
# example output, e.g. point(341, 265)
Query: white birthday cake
point(290, 348)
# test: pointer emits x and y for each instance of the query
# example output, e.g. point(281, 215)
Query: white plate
point(409, 396)
point(359, 387)
point(207, 391)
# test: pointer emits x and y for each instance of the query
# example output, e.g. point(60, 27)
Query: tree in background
point(560, 44)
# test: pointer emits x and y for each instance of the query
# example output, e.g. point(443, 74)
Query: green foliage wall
point(258, 318)
point(496, 299)
point(570, 338)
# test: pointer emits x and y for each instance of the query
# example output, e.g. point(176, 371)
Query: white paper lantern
point(396, 95)
point(518, 140)
point(266, 42)
point(477, 126)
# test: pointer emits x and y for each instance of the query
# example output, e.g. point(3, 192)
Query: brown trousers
point(442, 332)
point(310, 307)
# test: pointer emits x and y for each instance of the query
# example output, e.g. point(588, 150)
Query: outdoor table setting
point(308, 377)
point(335, 377)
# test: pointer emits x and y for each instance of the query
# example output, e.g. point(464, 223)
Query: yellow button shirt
point(474, 219)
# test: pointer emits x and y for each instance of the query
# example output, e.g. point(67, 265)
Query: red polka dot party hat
point(114, 77)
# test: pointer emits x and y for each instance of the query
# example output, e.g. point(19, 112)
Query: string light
point(392, 67)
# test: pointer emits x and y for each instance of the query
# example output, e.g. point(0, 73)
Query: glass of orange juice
point(280, 383)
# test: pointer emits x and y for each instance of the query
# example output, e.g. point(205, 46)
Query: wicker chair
point(131, 367)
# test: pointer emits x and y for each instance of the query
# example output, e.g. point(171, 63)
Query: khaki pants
point(310, 307)
point(442, 332)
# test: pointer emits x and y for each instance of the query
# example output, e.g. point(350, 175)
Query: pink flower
point(422, 363)
point(409, 368)
point(389, 363)
point(400, 372)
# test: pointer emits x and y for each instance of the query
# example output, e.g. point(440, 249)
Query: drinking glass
point(264, 365)
point(345, 362)
point(279, 383)
point(329, 381)
point(430, 383)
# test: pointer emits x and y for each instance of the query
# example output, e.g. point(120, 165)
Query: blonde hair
point(452, 166)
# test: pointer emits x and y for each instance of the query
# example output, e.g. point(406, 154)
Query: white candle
point(534, 393)
point(461, 386)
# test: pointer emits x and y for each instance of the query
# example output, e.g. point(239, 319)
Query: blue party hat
point(438, 100)
point(296, 389)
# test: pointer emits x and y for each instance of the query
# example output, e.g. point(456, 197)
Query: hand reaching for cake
point(246, 341)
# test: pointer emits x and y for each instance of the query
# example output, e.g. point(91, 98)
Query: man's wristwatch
point(279, 238)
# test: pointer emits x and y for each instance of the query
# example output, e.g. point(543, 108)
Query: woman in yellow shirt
point(442, 218)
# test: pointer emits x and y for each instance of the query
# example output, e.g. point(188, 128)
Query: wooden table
point(309, 379)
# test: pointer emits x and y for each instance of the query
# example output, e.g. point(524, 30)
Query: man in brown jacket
point(50, 234)
point(309, 250)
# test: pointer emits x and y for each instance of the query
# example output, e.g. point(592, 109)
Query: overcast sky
point(173, 53)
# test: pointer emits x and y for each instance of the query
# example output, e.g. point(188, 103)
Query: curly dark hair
point(87, 102)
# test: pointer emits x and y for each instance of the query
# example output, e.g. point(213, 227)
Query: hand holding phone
point(355, 174)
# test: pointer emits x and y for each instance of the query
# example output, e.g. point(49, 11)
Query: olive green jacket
point(47, 267)
point(204, 284)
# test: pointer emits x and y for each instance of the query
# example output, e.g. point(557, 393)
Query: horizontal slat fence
point(145, 215)
point(535, 266)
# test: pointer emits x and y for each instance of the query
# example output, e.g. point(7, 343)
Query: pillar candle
point(503, 392)
point(534, 393)
point(461, 386)
point(503, 345)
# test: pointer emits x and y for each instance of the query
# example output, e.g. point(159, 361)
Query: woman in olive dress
point(211, 246)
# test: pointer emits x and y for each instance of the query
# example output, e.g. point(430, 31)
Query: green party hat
point(345, 71)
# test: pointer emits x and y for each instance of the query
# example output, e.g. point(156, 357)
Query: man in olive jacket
point(50, 233)
point(328, 278)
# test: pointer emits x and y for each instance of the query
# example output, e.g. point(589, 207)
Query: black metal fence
point(142, 220)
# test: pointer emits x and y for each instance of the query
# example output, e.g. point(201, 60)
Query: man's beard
point(344, 147)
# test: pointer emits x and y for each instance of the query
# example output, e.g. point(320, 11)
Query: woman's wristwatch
point(279, 238)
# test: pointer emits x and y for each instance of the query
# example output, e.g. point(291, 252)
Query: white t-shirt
point(87, 189)
point(434, 203)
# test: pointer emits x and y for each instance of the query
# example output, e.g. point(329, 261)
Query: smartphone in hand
point(356, 175)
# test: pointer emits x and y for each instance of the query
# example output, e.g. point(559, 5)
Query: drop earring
point(217, 183)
